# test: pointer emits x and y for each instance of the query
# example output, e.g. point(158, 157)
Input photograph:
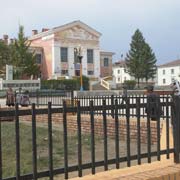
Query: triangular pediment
point(76, 32)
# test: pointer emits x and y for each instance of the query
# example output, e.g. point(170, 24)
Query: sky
point(117, 20)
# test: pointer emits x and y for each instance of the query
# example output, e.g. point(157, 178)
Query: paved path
point(154, 171)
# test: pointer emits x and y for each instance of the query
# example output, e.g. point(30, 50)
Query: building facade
point(57, 57)
point(120, 73)
point(167, 72)
point(106, 63)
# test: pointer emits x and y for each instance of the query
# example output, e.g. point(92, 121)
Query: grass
point(9, 153)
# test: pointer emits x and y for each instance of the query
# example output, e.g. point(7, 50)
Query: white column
point(84, 62)
point(71, 60)
point(96, 63)
point(56, 69)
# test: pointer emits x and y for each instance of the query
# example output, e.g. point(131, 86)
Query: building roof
point(120, 63)
point(63, 27)
point(170, 64)
point(106, 52)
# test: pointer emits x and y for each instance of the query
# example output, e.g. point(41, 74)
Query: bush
point(65, 84)
point(130, 84)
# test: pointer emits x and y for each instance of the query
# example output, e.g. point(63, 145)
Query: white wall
point(56, 60)
point(168, 76)
point(120, 75)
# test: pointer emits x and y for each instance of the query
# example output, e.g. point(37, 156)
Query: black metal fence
point(106, 110)
point(134, 100)
point(42, 97)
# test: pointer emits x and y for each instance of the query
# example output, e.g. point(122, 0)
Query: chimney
point(34, 32)
point(5, 38)
point(45, 29)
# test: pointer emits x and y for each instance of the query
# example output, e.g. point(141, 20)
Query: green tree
point(140, 60)
point(149, 64)
point(23, 59)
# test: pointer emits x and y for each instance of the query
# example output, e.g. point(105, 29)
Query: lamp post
point(78, 52)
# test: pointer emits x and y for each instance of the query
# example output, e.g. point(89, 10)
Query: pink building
point(56, 56)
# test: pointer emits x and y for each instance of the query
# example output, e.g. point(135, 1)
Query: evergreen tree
point(134, 56)
point(140, 59)
point(149, 63)
point(23, 59)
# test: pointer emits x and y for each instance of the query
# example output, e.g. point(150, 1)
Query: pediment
point(73, 30)
point(76, 32)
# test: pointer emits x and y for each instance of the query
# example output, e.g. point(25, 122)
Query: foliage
point(65, 84)
point(140, 59)
point(130, 84)
point(149, 64)
point(23, 59)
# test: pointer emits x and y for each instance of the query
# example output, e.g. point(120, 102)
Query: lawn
point(8, 148)
point(9, 155)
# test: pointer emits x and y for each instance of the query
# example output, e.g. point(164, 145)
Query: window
point(119, 79)
point(172, 71)
point(64, 54)
point(124, 78)
point(90, 72)
point(164, 71)
point(90, 56)
point(118, 71)
point(38, 58)
point(64, 72)
point(106, 62)
point(164, 81)
point(125, 70)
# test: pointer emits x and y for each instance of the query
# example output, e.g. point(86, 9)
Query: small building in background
point(106, 63)
point(120, 72)
point(167, 72)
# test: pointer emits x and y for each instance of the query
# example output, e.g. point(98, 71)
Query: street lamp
point(78, 52)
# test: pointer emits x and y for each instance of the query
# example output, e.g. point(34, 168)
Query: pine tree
point(23, 59)
point(140, 60)
point(149, 63)
point(134, 56)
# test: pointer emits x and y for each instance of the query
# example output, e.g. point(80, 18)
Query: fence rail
point(90, 107)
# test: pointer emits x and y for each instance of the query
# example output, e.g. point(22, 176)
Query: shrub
point(65, 84)
point(130, 84)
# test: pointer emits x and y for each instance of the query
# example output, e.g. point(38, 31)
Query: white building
point(167, 72)
point(120, 73)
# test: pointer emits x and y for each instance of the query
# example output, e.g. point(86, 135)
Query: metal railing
point(90, 109)
point(133, 100)
point(41, 98)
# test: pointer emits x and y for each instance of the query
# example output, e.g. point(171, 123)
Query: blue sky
point(117, 20)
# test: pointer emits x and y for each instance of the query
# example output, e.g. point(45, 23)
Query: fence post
point(112, 106)
point(65, 137)
point(176, 129)
point(72, 98)
point(37, 98)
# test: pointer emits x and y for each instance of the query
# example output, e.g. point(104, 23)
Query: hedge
point(65, 84)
